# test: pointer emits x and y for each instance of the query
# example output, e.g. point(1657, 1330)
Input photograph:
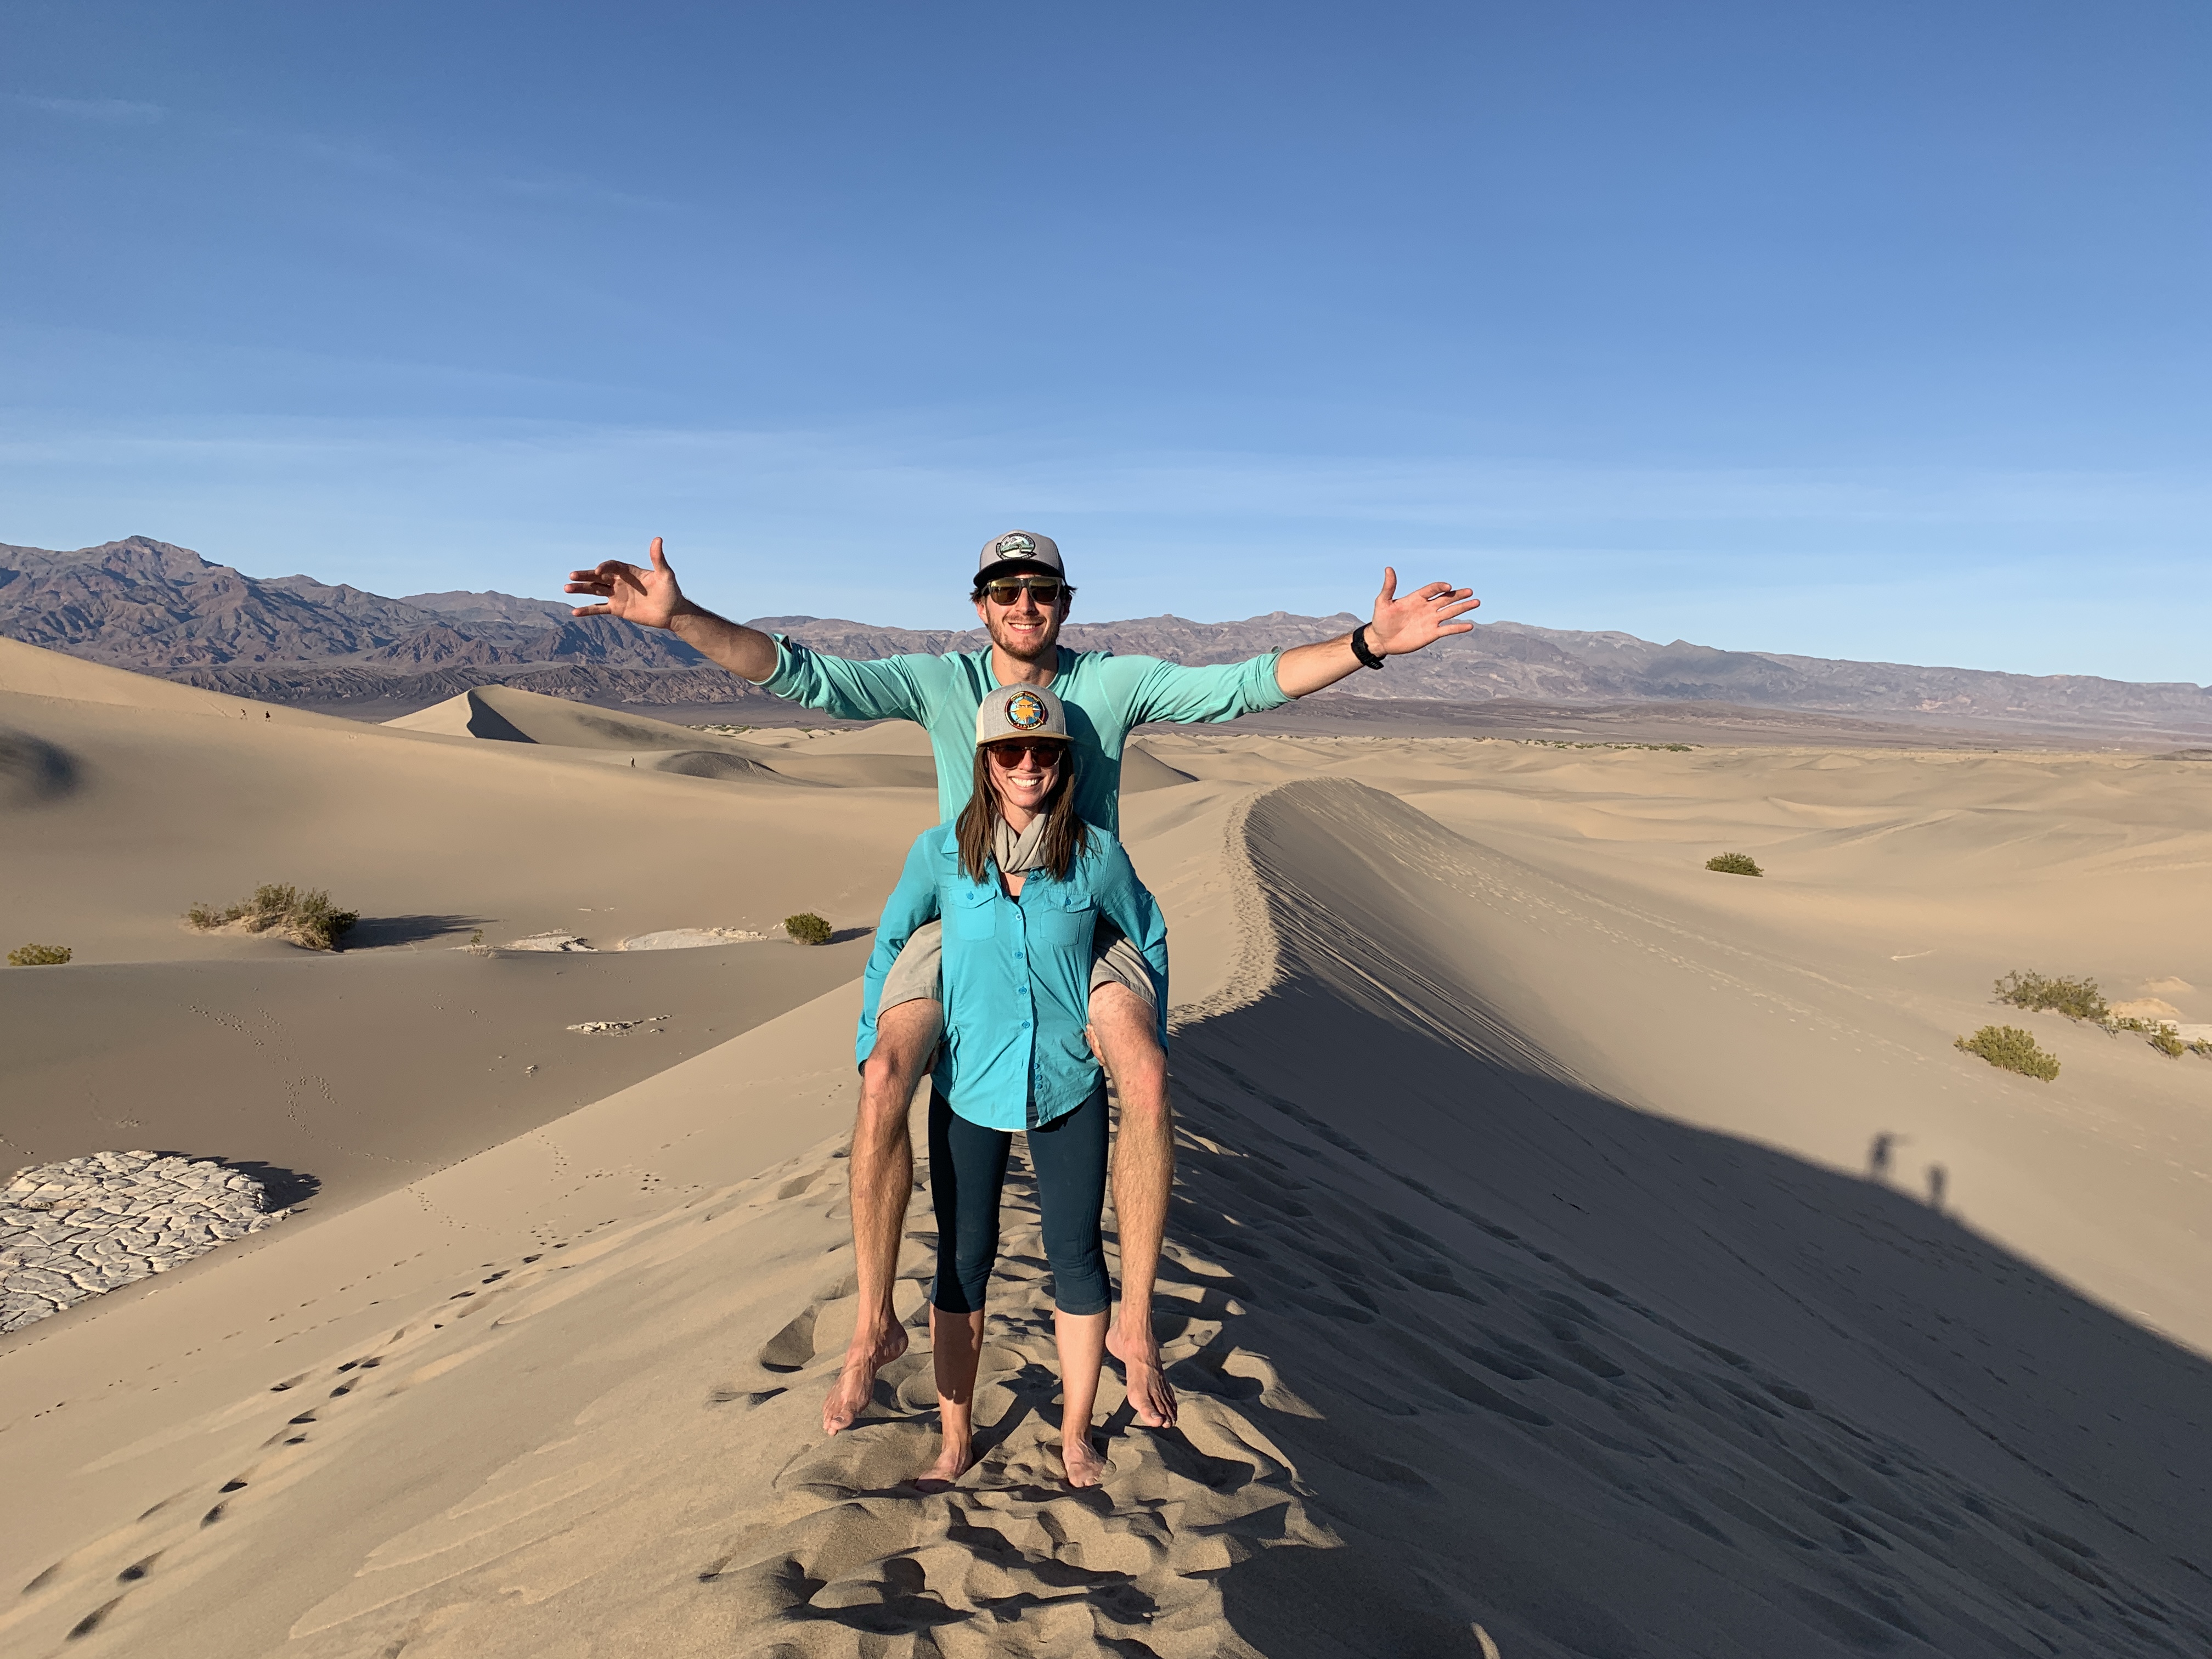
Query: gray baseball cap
point(1020, 711)
point(1016, 552)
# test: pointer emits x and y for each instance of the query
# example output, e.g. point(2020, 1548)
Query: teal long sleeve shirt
point(1106, 696)
point(1016, 975)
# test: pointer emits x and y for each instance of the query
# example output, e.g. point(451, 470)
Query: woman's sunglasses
point(1014, 754)
point(1007, 590)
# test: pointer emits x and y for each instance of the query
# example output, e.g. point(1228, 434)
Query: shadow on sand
point(1606, 1383)
point(372, 932)
point(32, 770)
point(281, 1188)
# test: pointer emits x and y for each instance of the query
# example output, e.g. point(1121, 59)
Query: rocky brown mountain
point(146, 604)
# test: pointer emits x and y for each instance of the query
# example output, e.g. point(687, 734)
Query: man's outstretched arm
point(1399, 625)
point(651, 598)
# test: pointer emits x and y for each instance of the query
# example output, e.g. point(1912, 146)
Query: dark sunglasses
point(1007, 590)
point(1014, 754)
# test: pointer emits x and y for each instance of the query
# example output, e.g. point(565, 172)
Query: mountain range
point(148, 605)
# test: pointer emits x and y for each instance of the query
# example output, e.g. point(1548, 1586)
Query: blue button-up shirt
point(1016, 974)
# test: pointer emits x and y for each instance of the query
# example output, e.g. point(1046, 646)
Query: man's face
point(1024, 630)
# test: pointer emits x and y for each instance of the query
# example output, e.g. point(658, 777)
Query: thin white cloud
point(110, 112)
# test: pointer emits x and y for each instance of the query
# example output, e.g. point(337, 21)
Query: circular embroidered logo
point(1026, 711)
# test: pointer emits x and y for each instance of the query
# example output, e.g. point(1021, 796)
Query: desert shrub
point(2077, 999)
point(2201, 1047)
point(38, 956)
point(308, 918)
point(2167, 1042)
point(2012, 1049)
point(807, 928)
point(1735, 864)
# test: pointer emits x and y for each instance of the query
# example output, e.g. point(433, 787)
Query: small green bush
point(308, 919)
point(2201, 1047)
point(2077, 999)
point(2167, 1042)
point(807, 928)
point(39, 956)
point(2012, 1049)
point(1735, 864)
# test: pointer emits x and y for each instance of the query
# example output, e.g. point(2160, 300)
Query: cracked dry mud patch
point(79, 1227)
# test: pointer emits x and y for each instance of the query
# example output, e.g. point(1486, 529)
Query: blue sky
point(1871, 330)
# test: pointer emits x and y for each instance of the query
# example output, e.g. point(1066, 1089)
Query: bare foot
point(1150, 1395)
point(856, 1384)
point(1085, 1467)
point(954, 1459)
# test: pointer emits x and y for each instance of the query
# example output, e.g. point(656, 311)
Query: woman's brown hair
point(1064, 837)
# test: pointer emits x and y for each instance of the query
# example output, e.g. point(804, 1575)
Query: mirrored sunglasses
point(1007, 590)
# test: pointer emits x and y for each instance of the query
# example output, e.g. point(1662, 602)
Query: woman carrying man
point(1019, 884)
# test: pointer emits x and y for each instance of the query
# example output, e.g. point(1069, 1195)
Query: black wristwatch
point(1362, 650)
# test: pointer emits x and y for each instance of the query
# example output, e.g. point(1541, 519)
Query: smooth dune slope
point(29, 670)
point(154, 809)
point(506, 714)
point(342, 1077)
point(1465, 1338)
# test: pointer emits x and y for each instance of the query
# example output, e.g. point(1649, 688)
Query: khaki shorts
point(914, 977)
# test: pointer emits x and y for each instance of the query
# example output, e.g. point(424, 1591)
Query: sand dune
point(163, 808)
point(507, 714)
point(1527, 1291)
point(28, 671)
point(502, 713)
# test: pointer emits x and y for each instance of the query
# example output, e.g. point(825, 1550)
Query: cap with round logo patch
point(1019, 552)
point(1020, 711)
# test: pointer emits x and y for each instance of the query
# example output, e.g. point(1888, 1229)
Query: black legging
point(967, 1170)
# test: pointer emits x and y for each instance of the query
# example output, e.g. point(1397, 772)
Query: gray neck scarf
point(1018, 854)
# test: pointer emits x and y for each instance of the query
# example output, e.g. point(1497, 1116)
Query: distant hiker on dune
point(1020, 883)
point(1022, 596)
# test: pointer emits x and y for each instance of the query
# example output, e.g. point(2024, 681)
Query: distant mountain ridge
point(159, 609)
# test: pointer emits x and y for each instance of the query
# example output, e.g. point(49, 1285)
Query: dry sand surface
point(1529, 1291)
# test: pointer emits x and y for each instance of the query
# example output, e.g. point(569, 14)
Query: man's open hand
point(1422, 617)
point(649, 597)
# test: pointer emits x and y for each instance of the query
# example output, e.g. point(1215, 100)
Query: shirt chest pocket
point(1065, 919)
point(971, 912)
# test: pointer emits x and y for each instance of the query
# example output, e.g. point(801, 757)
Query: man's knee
point(904, 1036)
point(1124, 1020)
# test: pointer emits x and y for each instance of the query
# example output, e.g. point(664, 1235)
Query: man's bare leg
point(1124, 1030)
point(882, 1175)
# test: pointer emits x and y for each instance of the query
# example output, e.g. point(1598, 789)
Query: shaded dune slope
point(1665, 1391)
point(1463, 1341)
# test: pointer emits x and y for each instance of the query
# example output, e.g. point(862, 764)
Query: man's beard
point(1049, 643)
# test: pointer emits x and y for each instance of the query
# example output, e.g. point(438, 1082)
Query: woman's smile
point(1028, 781)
